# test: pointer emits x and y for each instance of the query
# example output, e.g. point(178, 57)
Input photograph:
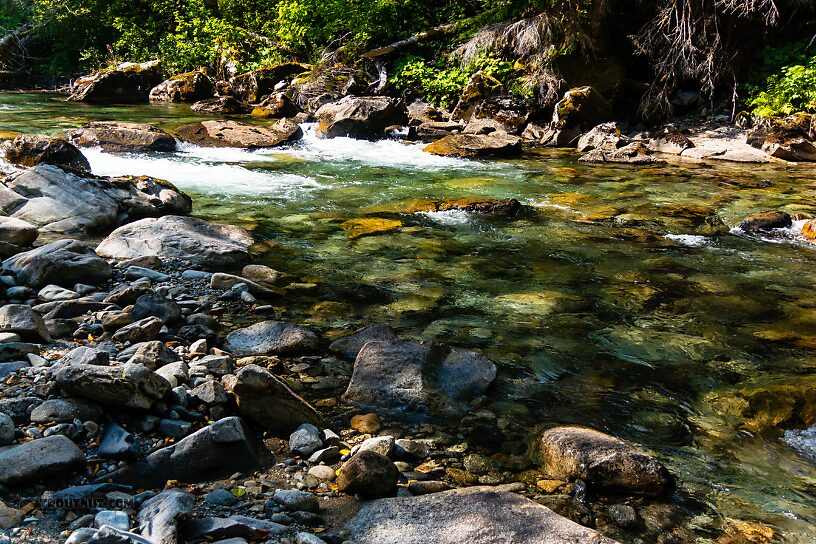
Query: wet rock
point(117, 443)
point(17, 232)
point(464, 515)
point(64, 262)
point(159, 517)
point(41, 458)
point(252, 86)
point(261, 274)
point(306, 440)
point(127, 83)
point(187, 87)
point(126, 386)
point(368, 226)
point(276, 105)
point(268, 401)
point(623, 516)
point(764, 221)
point(214, 452)
point(421, 377)
point(602, 461)
point(224, 282)
point(139, 331)
point(65, 411)
point(295, 500)
point(349, 346)
point(368, 474)
point(476, 145)
point(64, 202)
point(196, 242)
point(23, 321)
point(121, 137)
point(153, 355)
point(364, 117)
point(272, 338)
point(234, 134)
point(33, 149)
point(220, 105)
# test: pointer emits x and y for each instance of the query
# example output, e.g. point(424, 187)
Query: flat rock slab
point(118, 137)
point(234, 134)
point(45, 457)
point(65, 263)
point(195, 242)
point(476, 515)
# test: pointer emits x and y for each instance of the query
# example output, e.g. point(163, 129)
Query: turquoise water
point(619, 298)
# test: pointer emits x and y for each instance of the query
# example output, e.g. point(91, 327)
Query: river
point(619, 298)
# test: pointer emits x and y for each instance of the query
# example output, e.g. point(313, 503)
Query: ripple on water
point(802, 441)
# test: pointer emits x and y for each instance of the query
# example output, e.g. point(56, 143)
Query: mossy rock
point(581, 107)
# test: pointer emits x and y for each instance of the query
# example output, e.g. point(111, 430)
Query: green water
point(618, 298)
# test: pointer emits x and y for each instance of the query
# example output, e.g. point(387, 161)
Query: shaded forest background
point(734, 54)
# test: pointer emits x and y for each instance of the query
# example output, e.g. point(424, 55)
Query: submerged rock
point(187, 87)
point(33, 149)
point(477, 515)
point(196, 242)
point(601, 460)
point(42, 458)
point(364, 117)
point(121, 137)
point(349, 346)
point(476, 145)
point(234, 134)
point(65, 262)
point(127, 83)
point(368, 226)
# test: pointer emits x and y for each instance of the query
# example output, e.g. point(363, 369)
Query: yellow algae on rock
point(356, 228)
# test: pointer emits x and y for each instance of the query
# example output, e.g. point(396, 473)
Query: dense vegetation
point(531, 46)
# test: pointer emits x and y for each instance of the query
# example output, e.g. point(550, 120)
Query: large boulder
point(66, 203)
point(212, 453)
point(33, 149)
point(127, 83)
point(476, 515)
point(65, 263)
point(276, 105)
point(581, 109)
point(418, 377)
point(121, 137)
point(234, 134)
point(268, 401)
point(480, 86)
point(160, 517)
point(42, 458)
point(126, 386)
point(252, 86)
point(601, 461)
point(809, 230)
point(476, 145)
point(789, 138)
point(364, 117)
point(21, 320)
point(196, 242)
point(187, 87)
point(17, 232)
point(272, 338)
point(765, 221)
point(501, 114)
point(220, 105)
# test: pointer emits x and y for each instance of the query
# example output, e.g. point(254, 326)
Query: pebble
point(220, 497)
point(322, 472)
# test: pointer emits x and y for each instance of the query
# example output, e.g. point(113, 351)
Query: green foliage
point(13, 13)
point(784, 83)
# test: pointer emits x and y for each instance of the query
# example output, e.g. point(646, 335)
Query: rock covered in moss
point(127, 83)
point(276, 105)
point(788, 138)
point(222, 105)
point(476, 145)
point(187, 87)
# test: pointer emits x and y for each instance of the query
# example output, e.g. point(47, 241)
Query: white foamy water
point(790, 235)
point(690, 240)
point(449, 217)
point(802, 441)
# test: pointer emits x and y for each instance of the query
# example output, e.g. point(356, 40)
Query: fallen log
point(408, 42)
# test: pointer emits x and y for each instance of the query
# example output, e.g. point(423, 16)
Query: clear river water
point(619, 298)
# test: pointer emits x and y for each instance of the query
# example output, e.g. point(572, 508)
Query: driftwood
point(12, 45)
point(408, 42)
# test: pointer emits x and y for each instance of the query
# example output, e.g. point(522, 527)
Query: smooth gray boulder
point(212, 453)
point(64, 263)
point(143, 330)
point(153, 354)
point(126, 386)
point(62, 202)
point(160, 517)
point(195, 242)
point(349, 346)
point(272, 338)
point(46, 457)
point(418, 377)
point(476, 515)
point(266, 400)
point(65, 411)
point(6, 430)
point(17, 232)
point(23, 321)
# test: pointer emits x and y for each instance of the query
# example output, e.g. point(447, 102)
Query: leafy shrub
point(785, 82)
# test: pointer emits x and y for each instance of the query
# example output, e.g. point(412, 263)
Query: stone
point(809, 230)
point(224, 282)
point(306, 440)
point(139, 272)
point(623, 516)
point(325, 455)
point(787, 138)
point(17, 232)
point(579, 109)
point(83, 355)
point(633, 153)
point(52, 456)
point(126, 386)
point(252, 86)
point(382, 445)
point(272, 338)
point(208, 529)
point(366, 423)
point(322, 472)
point(235, 134)
point(153, 354)
point(764, 221)
point(82, 535)
point(139, 331)
point(210, 393)
point(419, 377)
point(55, 293)
point(427, 487)
point(261, 274)
point(174, 428)
point(65, 411)
point(64, 263)
point(194, 242)
point(295, 500)
point(480, 87)
point(187, 87)
point(604, 136)
point(62, 202)
point(670, 141)
point(220, 497)
point(476, 145)
point(6, 430)
point(364, 117)
point(369, 475)
point(476, 515)
point(214, 452)
point(601, 461)
point(215, 365)
point(175, 373)
point(113, 518)
point(160, 516)
point(121, 137)
point(505, 114)
point(153, 305)
point(33, 149)
point(276, 105)
point(126, 294)
point(117, 443)
point(220, 105)
point(23, 321)
point(10, 517)
point(127, 83)
point(267, 401)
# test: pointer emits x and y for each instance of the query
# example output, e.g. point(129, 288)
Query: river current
point(622, 298)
